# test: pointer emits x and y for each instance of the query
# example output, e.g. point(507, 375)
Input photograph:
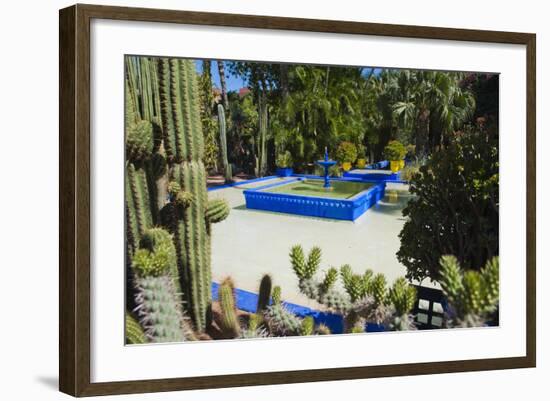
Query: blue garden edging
point(248, 302)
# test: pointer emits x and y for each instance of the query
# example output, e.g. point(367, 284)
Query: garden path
point(250, 243)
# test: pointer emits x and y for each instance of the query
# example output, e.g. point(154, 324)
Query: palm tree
point(432, 105)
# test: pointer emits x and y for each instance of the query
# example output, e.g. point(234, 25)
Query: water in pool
point(339, 189)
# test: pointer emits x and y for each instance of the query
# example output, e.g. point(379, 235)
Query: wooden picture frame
point(75, 207)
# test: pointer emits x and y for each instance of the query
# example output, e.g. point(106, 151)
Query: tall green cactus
point(190, 222)
point(229, 320)
point(223, 144)
point(264, 294)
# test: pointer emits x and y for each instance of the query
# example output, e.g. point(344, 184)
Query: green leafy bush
point(361, 153)
point(346, 152)
point(284, 160)
point(455, 210)
point(395, 150)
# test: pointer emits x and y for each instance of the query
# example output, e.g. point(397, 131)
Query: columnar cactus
point(229, 321)
point(223, 144)
point(190, 212)
point(138, 199)
point(264, 294)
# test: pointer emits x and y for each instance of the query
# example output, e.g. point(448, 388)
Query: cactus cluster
point(473, 295)
point(366, 297)
point(157, 298)
point(282, 322)
point(166, 199)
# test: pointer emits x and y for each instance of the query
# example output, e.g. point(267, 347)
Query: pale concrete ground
point(250, 243)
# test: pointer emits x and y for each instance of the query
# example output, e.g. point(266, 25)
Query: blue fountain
point(326, 164)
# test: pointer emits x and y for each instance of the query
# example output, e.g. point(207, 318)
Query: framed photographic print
point(250, 200)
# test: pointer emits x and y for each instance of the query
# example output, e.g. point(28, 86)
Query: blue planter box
point(284, 171)
point(394, 177)
point(381, 165)
point(330, 208)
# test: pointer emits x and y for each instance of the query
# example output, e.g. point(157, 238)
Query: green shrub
point(395, 150)
point(361, 153)
point(346, 152)
point(455, 208)
point(284, 160)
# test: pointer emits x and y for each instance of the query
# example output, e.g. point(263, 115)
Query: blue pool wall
point(338, 209)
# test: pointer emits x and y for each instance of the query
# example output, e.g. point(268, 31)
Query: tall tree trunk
point(262, 140)
point(223, 85)
point(422, 132)
point(283, 77)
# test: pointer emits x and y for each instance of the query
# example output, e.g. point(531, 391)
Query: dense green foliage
point(395, 150)
point(284, 159)
point(346, 152)
point(455, 209)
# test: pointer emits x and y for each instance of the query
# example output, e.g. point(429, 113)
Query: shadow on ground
point(50, 382)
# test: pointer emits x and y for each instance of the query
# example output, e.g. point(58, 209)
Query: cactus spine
point(223, 144)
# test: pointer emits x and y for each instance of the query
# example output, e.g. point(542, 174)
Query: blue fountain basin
point(315, 206)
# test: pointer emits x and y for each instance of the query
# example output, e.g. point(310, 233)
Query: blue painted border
point(314, 206)
point(248, 302)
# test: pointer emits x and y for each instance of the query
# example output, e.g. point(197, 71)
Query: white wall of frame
point(28, 205)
